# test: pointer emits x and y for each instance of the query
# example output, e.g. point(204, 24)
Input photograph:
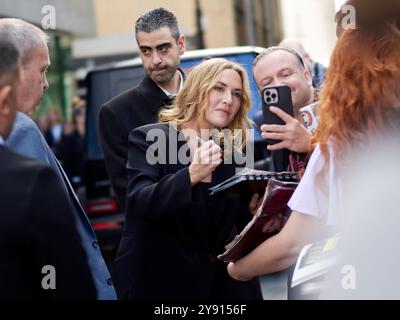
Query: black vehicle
point(106, 82)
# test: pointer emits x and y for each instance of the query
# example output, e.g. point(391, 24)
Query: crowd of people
point(66, 137)
point(174, 230)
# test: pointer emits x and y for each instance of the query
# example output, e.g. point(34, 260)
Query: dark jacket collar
point(153, 94)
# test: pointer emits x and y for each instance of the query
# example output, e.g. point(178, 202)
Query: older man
point(26, 138)
point(316, 69)
point(41, 254)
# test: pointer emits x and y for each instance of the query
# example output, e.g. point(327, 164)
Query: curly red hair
point(361, 94)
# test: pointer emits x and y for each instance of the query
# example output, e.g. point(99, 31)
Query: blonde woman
point(174, 229)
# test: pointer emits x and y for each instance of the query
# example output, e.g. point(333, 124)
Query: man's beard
point(166, 76)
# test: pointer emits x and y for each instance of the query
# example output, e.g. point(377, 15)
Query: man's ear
point(181, 44)
point(307, 76)
point(5, 100)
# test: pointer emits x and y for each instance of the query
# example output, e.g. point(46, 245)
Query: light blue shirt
point(26, 139)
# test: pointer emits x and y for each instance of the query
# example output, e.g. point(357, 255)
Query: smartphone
point(280, 97)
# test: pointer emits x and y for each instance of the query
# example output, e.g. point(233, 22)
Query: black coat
point(174, 231)
point(38, 229)
point(118, 117)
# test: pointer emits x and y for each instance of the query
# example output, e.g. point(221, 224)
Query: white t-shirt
point(320, 195)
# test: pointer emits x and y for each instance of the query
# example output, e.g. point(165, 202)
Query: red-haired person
point(361, 98)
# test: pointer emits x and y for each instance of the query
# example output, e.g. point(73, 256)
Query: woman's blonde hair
point(192, 100)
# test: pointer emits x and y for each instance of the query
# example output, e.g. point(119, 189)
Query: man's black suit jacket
point(118, 117)
point(38, 229)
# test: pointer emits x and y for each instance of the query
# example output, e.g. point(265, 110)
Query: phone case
point(279, 96)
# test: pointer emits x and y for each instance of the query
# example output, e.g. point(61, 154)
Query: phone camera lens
point(273, 96)
point(268, 93)
point(268, 100)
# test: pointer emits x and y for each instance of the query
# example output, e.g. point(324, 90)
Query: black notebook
point(250, 181)
point(268, 221)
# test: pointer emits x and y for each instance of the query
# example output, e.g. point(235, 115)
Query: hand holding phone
point(281, 130)
point(280, 97)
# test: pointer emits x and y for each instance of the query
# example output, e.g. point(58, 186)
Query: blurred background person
point(79, 115)
point(368, 261)
point(361, 98)
point(55, 129)
point(370, 12)
point(316, 69)
point(42, 123)
point(70, 149)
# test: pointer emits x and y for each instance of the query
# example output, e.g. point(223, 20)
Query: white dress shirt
point(173, 95)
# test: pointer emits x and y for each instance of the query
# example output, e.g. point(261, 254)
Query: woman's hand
point(205, 159)
point(255, 203)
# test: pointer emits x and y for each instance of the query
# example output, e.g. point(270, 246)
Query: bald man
point(316, 69)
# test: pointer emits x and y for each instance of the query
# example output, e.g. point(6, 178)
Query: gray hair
point(156, 19)
point(9, 61)
point(23, 35)
point(273, 49)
